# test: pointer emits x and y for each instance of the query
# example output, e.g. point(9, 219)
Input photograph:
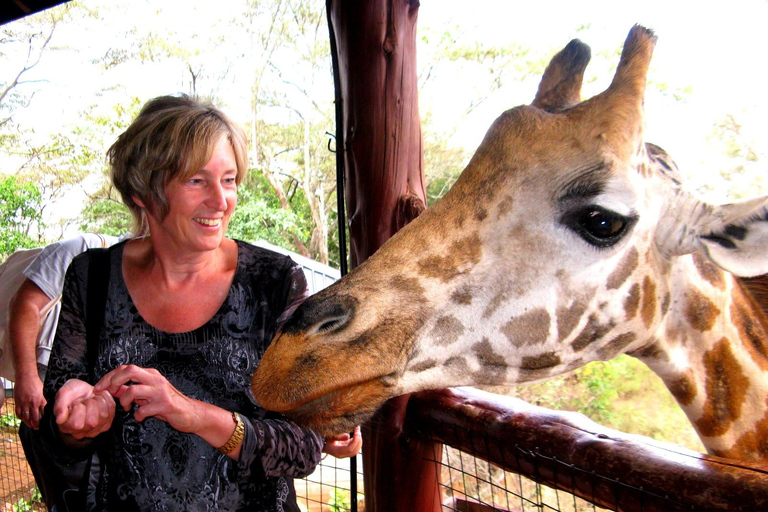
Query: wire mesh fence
point(18, 491)
point(328, 489)
point(470, 483)
point(529, 471)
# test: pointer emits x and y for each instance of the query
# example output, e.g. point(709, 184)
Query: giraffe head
point(554, 248)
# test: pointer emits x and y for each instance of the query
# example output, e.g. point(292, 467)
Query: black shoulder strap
point(96, 300)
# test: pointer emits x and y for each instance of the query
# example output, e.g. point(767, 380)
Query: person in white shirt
point(30, 338)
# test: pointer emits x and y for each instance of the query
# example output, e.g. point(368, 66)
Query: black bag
point(72, 486)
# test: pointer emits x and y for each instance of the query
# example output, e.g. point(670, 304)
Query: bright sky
point(712, 49)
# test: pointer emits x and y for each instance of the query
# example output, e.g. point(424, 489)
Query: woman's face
point(200, 207)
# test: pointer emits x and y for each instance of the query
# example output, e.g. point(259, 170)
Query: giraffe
point(567, 239)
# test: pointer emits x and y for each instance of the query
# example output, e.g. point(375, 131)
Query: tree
point(104, 211)
point(52, 161)
point(738, 162)
point(290, 90)
point(19, 215)
point(447, 53)
point(292, 111)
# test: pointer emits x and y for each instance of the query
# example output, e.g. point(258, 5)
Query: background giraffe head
point(557, 246)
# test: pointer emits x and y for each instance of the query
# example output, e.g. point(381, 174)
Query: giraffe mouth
point(342, 409)
point(317, 387)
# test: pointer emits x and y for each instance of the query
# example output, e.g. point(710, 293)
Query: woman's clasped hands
point(85, 411)
point(81, 411)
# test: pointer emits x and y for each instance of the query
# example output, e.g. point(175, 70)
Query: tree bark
point(373, 46)
point(376, 42)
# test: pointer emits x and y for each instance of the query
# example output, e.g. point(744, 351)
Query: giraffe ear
point(737, 240)
point(560, 86)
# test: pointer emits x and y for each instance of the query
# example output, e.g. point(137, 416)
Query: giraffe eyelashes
point(332, 323)
point(599, 227)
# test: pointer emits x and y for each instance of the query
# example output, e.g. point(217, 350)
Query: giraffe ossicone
point(567, 239)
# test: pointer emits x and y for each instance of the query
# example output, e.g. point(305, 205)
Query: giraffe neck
point(714, 360)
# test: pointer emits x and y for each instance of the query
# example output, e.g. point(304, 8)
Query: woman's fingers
point(344, 445)
point(121, 376)
point(151, 392)
point(82, 412)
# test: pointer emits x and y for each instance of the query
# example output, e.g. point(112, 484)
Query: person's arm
point(23, 330)
point(275, 445)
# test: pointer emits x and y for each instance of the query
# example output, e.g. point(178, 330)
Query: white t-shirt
point(48, 270)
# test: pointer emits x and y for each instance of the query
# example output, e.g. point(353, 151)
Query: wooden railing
point(567, 451)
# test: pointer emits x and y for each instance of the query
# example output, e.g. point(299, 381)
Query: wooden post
point(373, 45)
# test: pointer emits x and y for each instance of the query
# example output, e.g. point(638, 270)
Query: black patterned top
point(150, 466)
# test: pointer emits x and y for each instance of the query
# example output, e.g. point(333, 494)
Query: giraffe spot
point(752, 445)
point(725, 389)
point(481, 213)
point(632, 302)
point(568, 317)
point(616, 346)
point(457, 259)
point(650, 351)
point(648, 304)
point(457, 365)
point(665, 304)
point(459, 219)
point(683, 388)
point(462, 296)
point(752, 331)
point(447, 330)
point(540, 362)
point(505, 206)
point(624, 269)
point(573, 365)
point(528, 329)
point(408, 285)
point(591, 333)
point(494, 304)
point(423, 366)
point(700, 312)
point(708, 271)
point(493, 365)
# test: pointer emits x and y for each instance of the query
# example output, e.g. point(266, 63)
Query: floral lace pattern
point(150, 466)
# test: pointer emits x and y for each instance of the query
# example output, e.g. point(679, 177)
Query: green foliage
point(259, 215)
point(20, 205)
point(29, 505)
point(107, 216)
point(600, 381)
point(9, 421)
point(340, 500)
point(622, 394)
point(443, 163)
point(104, 211)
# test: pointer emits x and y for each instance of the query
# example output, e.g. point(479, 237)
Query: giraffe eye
point(600, 227)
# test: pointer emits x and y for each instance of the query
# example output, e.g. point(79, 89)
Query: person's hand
point(81, 411)
point(28, 396)
point(154, 396)
point(344, 445)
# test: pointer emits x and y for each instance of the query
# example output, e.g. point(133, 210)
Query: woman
point(188, 315)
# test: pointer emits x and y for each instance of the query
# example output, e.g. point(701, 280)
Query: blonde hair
point(173, 137)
